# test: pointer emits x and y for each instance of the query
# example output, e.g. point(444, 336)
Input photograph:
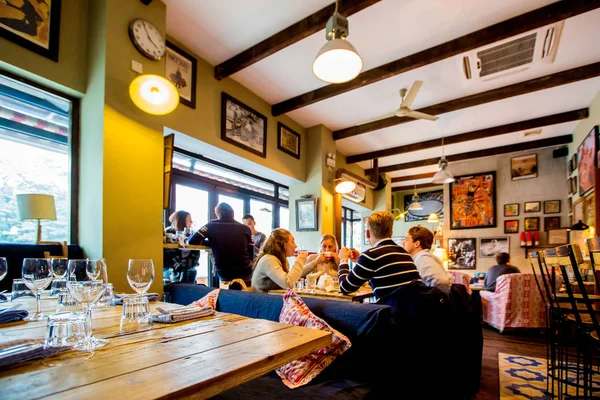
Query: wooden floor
point(524, 342)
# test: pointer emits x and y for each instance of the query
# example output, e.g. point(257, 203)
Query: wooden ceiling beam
point(536, 144)
point(421, 186)
point(533, 85)
point(475, 135)
point(549, 14)
point(288, 36)
point(412, 177)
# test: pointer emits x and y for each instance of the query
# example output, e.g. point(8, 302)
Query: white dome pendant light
point(443, 175)
point(337, 61)
point(415, 205)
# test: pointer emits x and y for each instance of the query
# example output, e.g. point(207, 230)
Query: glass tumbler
point(136, 313)
point(66, 331)
point(19, 289)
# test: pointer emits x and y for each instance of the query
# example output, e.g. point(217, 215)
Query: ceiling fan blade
point(412, 93)
point(420, 115)
point(393, 114)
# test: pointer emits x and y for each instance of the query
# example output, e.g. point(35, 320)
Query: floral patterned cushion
point(301, 371)
point(210, 300)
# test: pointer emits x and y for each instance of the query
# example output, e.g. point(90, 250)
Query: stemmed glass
point(37, 275)
point(3, 272)
point(59, 269)
point(140, 275)
point(87, 281)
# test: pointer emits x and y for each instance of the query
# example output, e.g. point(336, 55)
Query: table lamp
point(38, 207)
point(441, 253)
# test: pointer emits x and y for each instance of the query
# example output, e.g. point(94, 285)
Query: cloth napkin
point(3, 298)
point(118, 301)
point(20, 350)
point(181, 314)
point(13, 315)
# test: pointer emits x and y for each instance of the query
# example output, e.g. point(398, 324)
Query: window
point(35, 157)
point(262, 212)
point(351, 228)
point(284, 218)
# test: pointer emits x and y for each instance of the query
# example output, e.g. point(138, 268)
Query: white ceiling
point(382, 33)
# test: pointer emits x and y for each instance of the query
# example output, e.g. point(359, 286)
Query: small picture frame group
point(511, 226)
point(511, 210)
point(533, 206)
point(552, 207)
point(532, 223)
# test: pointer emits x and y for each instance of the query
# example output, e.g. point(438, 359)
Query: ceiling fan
point(407, 100)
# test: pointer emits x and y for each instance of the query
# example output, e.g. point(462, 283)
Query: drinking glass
point(37, 275)
point(92, 282)
point(59, 269)
point(3, 267)
point(140, 275)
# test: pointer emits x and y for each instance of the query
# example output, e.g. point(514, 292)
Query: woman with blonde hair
point(179, 221)
point(327, 260)
point(271, 268)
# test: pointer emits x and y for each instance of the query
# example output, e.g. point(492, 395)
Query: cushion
point(210, 300)
point(301, 371)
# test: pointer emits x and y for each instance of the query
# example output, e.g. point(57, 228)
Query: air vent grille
point(506, 56)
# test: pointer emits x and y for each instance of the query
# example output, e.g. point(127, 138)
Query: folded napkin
point(181, 314)
point(3, 298)
point(13, 315)
point(20, 350)
point(118, 301)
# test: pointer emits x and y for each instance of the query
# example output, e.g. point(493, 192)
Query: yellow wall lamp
point(154, 94)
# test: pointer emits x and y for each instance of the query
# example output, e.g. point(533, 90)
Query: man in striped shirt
point(386, 266)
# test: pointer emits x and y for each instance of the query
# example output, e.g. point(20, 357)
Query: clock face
point(147, 39)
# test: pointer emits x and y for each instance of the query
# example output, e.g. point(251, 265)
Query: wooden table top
point(364, 292)
point(191, 359)
point(187, 247)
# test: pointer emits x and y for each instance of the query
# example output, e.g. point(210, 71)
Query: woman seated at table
point(180, 265)
point(271, 268)
point(179, 221)
point(327, 260)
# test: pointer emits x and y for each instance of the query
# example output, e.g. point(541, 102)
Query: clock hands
point(148, 34)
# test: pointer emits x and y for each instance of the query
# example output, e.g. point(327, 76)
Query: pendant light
point(443, 175)
point(337, 61)
point(433, 218)
point(415, 205)
point(154, 94)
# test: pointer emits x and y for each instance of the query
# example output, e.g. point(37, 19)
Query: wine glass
point(140, 275)
point(87, 281)
point(37, 275)
point(3, 267)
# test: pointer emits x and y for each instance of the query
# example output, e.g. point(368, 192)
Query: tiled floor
point(522, 378)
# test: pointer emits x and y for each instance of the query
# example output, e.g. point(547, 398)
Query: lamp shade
point(154, 94)
point(36, 207)
point(441, 254)
point(345, 186)
point(580, 226)
point(443, 175)
point(337, 62)
point(433, 217)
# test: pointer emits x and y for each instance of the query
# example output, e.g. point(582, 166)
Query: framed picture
point(511, 226)
point(552, 207)
point(574, 161)
point(473, 201)
point(181, 69)
point(288, 140)
point(579, 210)
point(34, 25)
point(570, 166)
point(461, 253)
point(532, 223)
point(590, 210)
point(551, 223)
point(432, 202)
point(243, 126)
point(586, 155)
point(523, 167)
point(533, 206)
point(511, 210)
point(570, 204)
point(489, 247)
point(306, 214)
point(558, 236)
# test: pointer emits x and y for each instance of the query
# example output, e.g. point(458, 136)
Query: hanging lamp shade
point(345, 186)
point(415, 205)
point(433, 217)
point(337, 62)
point(580, 226)
point(443, 175)
point(154, 94)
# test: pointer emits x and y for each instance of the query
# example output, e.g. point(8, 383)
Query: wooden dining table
point(365, 292)
point(192, 359)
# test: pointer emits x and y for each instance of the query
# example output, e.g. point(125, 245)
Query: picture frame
point(491, 246)
point(569, 205)
point(432, 202)
point(523, 167)
point(590, 210)
point(462, 253)
point(288, 140)
point(586, 156)
point(473, 201)
point(574, 161)
point(181, 68)
point(579, 210)
point(551, 223)
point(306, 214)
point(17, 28)
point(243, 126)
point(552, 207)
point(533, 206)
point(558, 236)
point(511, 210)
point(531, 224)
point(511, 226)
point(574, 185)
point(570, 166)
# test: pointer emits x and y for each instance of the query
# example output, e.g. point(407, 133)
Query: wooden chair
point(63, 245)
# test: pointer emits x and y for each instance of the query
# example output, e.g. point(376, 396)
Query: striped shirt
point(386, 267)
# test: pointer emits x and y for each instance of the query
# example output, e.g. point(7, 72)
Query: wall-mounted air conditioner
point(512, 55)
point(357, 195)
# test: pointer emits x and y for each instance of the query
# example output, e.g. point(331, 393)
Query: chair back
point(462, 279)
point(593, 245)
point(540, 277)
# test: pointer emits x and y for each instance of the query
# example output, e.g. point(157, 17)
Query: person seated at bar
point(418, 243)
point(504, 267)
point(386, 266)
point(327, 260)
point(272, 270)
point(259, 237)
point(180, 265)
point(231, 244)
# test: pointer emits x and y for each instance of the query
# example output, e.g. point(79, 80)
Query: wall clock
point(147, 39)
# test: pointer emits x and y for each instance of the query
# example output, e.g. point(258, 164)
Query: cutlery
point(11, 308)
point(4, 291)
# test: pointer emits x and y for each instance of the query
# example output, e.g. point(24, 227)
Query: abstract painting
point(586, 155)
point(473, 201)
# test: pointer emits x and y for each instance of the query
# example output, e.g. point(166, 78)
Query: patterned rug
point(525, 377)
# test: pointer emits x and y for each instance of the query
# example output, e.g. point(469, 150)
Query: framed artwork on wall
point(306, 214)
point(489, 247)
point(579, 210)
point(574, 161)
point(288, 140)
point(34, 25)
point(511, 210)
point(552, 207)
point(551, 223)
point(181, 69)
point(574, 184)
point(511, 226)
point(243, 126)
point(532, 224)
point(533, 206)
point(432, 202)
point(590, 210)
point(461, 253)
point(586, 156)
point(473, 201)
point(523, 167)
point(569, 204)
point(558, 236)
